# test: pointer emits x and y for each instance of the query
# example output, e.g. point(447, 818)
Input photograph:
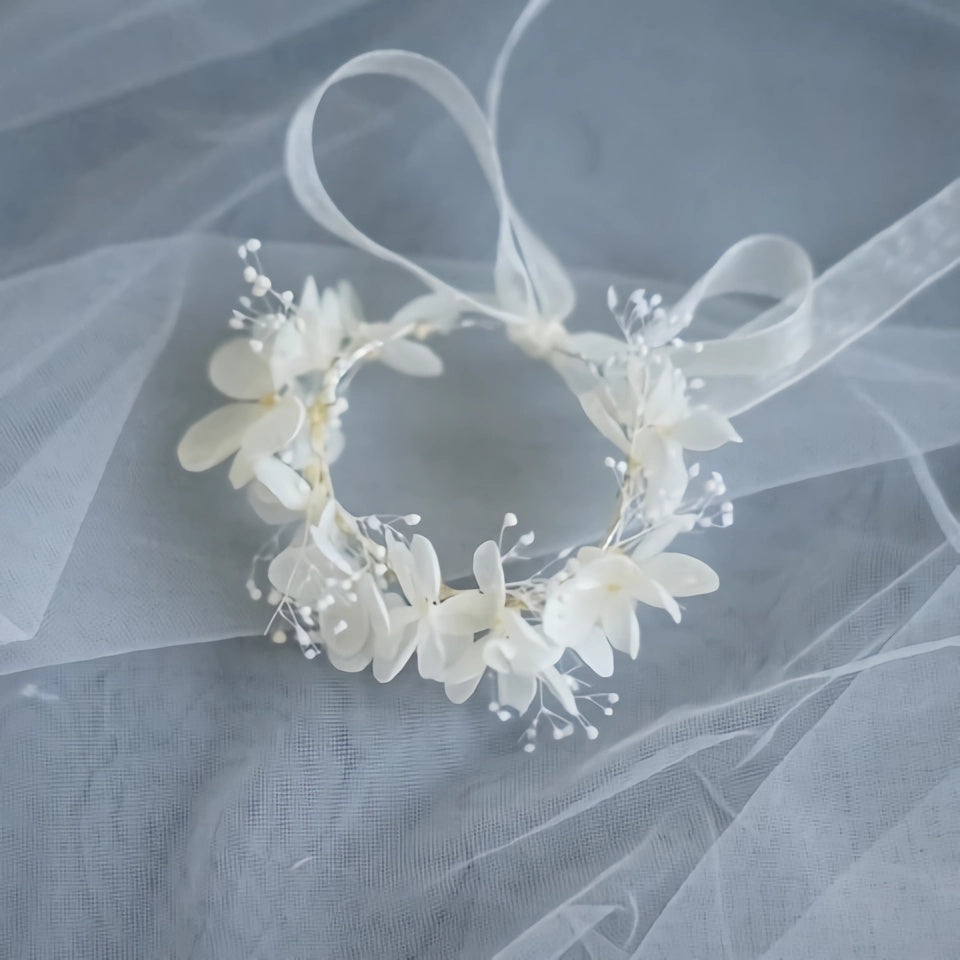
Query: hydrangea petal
point(438, 309)
point(621, 627)
point(661, 459)
point(514, 690)
point(349, 663)
point(596, 410)
point(523, 646)
point(426, 567)
point(402, 564)
point(237, 372)
point(411, 358)
point(650, 591)
point(660, 536)
point(351, 309)
point(597, 347)
point(276, 426)
point(309, 302)
point(241, 470)
point(468, 666)
point(267, 508)
point(328, 536)
point(498, 654)
point(680, 575)
point(372, 600)
point(462, 691)
point(289, 488)
point(594, 650)
point(665, 402)
point(431, 651)
point(608, 570)
point(465, 613)
point(390, 660)
point(488, 570)
point(568, 614)
point(216, 436)
point(704, 429)
point(354, 633)
point(300, 572)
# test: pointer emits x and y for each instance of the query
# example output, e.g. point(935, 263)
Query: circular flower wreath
point(361, 588)
point(364, 591)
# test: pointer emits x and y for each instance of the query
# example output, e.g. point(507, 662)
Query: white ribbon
point(850, 299)
point(530, 284)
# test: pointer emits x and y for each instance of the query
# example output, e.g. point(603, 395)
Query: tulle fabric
point(779, 779)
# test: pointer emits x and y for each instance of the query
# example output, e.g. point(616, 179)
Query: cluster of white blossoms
point(365, 592)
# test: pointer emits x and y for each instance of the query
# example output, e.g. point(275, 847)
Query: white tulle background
point(782, 776)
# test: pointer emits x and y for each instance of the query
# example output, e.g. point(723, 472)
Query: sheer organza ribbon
point(810, 321)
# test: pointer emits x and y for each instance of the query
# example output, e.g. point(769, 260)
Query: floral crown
point(361, 589)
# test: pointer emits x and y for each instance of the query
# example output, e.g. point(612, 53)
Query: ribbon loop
point(527, 277)
point(760, 265)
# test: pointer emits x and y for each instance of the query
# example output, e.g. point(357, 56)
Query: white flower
point(283, 491)
point(323, 323)
point(417, 626)
point(519, 653)
point(251, 430)
point(606, 585)
point(402, 354)
point(643, 408)
point(351, 627)
point(318, 560)
point(352, 631)
point(310, 340)
point(301, 572)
